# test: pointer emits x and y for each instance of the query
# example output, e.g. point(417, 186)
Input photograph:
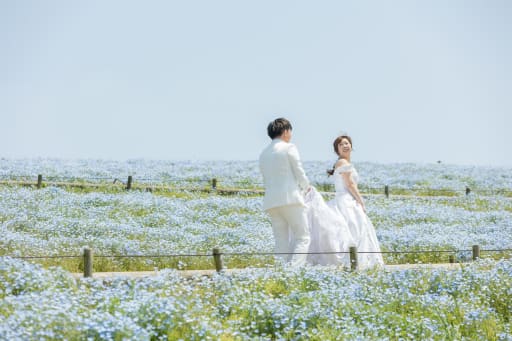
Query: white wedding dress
point(330, 236)
point(339, 224)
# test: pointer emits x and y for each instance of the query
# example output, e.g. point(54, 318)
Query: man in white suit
point(285, 184)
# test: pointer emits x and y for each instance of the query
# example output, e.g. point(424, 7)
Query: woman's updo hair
point(335, 144)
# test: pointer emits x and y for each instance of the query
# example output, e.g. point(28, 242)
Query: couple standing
point(306, 228)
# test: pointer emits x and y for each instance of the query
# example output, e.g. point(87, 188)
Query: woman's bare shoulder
point(341, 163)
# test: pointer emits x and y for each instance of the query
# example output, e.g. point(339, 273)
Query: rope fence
point(87, 256)
point(212, 184)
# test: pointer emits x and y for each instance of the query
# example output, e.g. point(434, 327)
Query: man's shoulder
point(278, 144)
point(284, 145)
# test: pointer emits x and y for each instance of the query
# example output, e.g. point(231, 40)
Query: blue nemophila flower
point(259, 303)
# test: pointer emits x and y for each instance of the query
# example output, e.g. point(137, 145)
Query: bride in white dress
point(342, 222)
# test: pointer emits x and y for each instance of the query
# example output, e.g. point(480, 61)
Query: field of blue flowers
point(235, 173)
point(278, 303)
point(267, 300)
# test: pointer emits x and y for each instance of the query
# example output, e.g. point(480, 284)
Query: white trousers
point(291, 232)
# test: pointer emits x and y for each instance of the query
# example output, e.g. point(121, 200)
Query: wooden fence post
point(217, 260)
point(214, 183)
point(353, 258)
point(476, 252)
point(87, 262)
point(386, 191)
point(129, 183)
point(39, 180)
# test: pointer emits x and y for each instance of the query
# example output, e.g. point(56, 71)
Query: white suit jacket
point(284, 178)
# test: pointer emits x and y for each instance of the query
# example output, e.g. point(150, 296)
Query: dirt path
point(193, 273)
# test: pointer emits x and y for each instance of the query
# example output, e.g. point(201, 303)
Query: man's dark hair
point(277, 127)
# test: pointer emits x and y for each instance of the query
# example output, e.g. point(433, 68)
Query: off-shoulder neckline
point(344, 166)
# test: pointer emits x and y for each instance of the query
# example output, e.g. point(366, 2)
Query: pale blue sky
point(410, 81)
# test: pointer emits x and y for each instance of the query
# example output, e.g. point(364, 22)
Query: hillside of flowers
point(177, 229)
point(55, 221)
point(278, 303)
point(246, 173)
